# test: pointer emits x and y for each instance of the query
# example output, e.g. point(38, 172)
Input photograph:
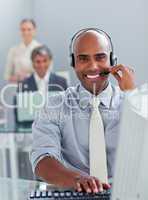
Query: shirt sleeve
point(9, 68)
point(46, 137)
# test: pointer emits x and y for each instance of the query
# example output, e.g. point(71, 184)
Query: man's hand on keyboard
point(90, 184)
point(65, 178)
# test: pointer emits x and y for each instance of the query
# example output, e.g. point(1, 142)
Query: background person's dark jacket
point(29, 84)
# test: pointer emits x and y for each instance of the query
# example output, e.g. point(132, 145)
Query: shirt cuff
point(128, 93)
point(43, 156)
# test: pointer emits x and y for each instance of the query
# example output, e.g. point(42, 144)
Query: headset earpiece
point(113, 59)
point(72, 61)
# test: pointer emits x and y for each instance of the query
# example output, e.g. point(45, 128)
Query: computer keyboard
point(68, 195)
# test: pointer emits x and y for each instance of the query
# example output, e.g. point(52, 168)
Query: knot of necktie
point(95, 102)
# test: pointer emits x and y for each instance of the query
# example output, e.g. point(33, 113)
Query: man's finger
point(117, 76)
point(116, 68)
point(78, 187)
point(122, 68)
point(93, 185)
point(106, 186)
point(101, 188)
point(85, 185)
point(99, 185)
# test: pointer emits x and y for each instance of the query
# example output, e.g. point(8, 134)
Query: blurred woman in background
point(19, 65)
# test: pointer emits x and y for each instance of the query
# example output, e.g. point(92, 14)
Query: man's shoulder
point(14, 49)
point(28, 79)
point(25, 85)
point(57, 77)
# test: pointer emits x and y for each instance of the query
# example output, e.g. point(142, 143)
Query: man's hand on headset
point(125, 77)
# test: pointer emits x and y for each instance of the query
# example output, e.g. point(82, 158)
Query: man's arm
point(53, 172)
point(9, 68)
point(46, 157)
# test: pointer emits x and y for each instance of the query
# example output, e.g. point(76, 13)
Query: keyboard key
point(49, 194)
point(62, 194)
point(68, 194)
point(75, 194)
point(32, 194)
point(56, 194)
point(38, 194)
point(44, 194)
point(80, 194)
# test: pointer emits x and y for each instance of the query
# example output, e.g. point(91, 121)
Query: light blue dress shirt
point(61, 130)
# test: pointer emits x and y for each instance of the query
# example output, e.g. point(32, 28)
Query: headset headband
point(80, 32)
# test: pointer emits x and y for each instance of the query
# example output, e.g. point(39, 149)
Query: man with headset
point(63, 153)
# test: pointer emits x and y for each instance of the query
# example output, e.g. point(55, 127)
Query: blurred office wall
point(125, 21)
point(11, 12)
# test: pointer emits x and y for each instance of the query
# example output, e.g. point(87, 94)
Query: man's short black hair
point(41, 50)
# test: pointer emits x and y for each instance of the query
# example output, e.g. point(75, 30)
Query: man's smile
point(96, 76)
point(92, 76)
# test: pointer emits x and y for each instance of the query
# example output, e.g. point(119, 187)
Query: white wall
point(11, 12)
point(126, 21)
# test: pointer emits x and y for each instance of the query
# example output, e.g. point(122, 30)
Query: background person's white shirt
point(42, 83)
point(19, 59)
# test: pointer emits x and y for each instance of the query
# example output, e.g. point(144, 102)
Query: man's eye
point(83, 59)
point(100, 57)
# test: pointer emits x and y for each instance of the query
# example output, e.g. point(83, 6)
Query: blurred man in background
point(40, 82)
point(43, 79)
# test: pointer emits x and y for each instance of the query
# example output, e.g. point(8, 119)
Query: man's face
point(28, 31)
point(92, 56)
point(41, 63)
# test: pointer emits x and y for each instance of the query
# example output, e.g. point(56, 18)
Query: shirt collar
point(33, 42)
point(46, 77)
point(85, 96)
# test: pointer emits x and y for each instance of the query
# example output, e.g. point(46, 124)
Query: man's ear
point(51, 65)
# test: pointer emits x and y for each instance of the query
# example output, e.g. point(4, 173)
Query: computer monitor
point(131, 168)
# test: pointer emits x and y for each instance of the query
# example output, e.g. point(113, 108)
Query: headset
point(113, 58)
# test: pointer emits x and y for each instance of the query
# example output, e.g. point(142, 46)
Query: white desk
point(19, 189)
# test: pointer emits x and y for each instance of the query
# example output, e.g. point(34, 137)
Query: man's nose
point(42, 65)
point(93, 64)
